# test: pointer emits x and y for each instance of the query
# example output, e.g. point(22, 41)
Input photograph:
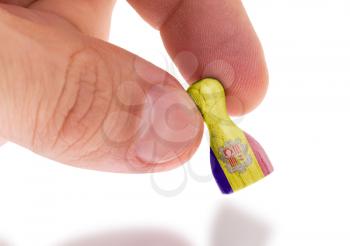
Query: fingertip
point(220, 42)
point(250, 93)
point(212, 39)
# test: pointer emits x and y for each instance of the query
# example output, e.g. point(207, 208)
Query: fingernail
point(173, 125)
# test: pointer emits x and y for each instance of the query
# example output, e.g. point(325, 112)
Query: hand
point(67, 94)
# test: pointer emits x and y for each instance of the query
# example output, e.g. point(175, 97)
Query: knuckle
point(83, 103)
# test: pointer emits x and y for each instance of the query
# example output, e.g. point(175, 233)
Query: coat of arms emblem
point(235, 155)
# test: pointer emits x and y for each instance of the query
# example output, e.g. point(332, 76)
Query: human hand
point(67, 94)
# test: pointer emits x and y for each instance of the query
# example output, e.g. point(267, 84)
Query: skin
point(68, 94)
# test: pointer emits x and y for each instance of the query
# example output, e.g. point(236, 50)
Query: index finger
point(212, 39)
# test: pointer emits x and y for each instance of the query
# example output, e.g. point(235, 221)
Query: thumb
point(84, 102)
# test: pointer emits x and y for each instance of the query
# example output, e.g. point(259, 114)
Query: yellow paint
point(209, 96)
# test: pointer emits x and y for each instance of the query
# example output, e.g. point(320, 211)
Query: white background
point(303, 125)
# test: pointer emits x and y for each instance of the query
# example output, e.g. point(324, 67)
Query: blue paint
point(219, 174)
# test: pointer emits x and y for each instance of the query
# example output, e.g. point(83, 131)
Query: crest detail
point(235, 155)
